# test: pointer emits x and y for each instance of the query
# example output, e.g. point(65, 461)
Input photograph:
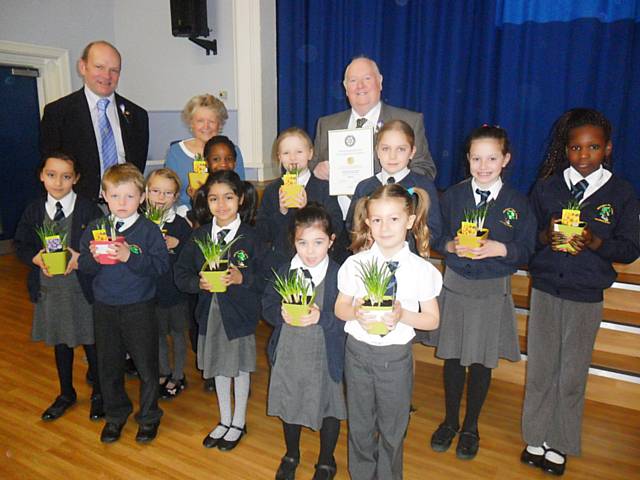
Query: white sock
point(535, 450)
point(554, 457)
point(223, 391)
point(241, 394)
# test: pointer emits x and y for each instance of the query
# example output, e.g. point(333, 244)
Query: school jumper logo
point(510, 215)
point(240, 257)
point(604, 212)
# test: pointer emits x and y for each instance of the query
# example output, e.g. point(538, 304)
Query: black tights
point(329, 433)
point(64, 364)
point(454, 380)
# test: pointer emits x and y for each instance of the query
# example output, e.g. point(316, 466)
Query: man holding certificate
point(363, 85)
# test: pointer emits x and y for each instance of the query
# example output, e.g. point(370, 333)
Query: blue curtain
point(515, 63)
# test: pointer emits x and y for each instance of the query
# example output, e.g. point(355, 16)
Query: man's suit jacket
point(67, 127)
point(421, 162)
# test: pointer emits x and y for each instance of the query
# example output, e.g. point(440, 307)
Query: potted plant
point(472, 229)
point(198, 177)
point(291, 187)
point(156, 213)
point(105, 237)
point(215, 266)
point(569, 225)
point(294, 290)
point(54, 243)
point(376, 279)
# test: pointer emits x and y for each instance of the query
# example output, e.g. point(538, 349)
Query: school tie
point(59, 213)
point(360, 122)
point(391, 180)
point(484, 196)
point(119, 225)
point(108, 147)
point(392, 265)
point(220, 236)
point(577, 190)
point(307, 274)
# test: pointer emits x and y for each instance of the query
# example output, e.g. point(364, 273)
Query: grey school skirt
point(301, 391)
point(477, 321)
point(219, 356)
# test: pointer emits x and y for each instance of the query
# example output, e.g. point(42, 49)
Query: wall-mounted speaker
point(189, 18)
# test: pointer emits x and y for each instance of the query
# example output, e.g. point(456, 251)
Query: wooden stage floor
point(69, 448)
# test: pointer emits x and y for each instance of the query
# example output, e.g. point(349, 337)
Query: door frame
point(52, 63)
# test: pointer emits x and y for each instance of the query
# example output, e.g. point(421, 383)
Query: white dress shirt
point(114, 120)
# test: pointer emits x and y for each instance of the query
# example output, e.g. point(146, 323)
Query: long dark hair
point(243, 189)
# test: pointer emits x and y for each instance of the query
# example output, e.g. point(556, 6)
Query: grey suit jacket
point(421, 163)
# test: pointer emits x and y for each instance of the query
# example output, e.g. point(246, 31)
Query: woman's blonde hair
point(206, 100)
point(416, 202)
point(289, 132)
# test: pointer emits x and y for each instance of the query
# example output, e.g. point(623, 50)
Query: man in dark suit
point(363, 85)
point(96, 125)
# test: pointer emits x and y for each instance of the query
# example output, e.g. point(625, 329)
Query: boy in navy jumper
point(124, 304)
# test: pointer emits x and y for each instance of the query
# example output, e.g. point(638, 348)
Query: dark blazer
point(239, 304)
point(421, 162)
point(334, 335)
point(28, 244)
point(66, 126)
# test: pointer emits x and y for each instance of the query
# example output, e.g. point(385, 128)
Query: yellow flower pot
point(378, 328)
point(472, 241)
point(215, 277)
point(197, 179)
point(296, 312)
point(291, 193)
point(56, 262)
point(568, 231)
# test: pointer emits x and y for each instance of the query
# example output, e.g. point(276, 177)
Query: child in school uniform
point(125, 295)
point(477, 314)
point(292, 149)
point(226, 321)
point(395, 147)
point(307, 361)
point(172, 308)
point(63, 316)
point(379, 369)
point(567, 288)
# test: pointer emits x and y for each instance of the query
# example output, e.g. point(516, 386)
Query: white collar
point(169, 215)
point(398, 256)
point(303, 177)
point(372, 117)
point(494, 189)
point(595, 180)
point(127, 222)
point(317, 273)
point(186, 151)
point(68, 203)
point(383, 176)
point(232, 227)
point(92, 98)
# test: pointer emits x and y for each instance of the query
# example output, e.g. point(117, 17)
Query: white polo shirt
point(417, 281)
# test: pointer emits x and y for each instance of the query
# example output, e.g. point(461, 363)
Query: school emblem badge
point(604, 213)
point(510, 215)
point(240, 257)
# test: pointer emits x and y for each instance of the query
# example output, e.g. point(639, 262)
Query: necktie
point(360, 122)
point(59, 213)
point(220, 236)
point(391, 180)
point(119, 225)
point(108, 147)
point(484, 196)
point(577, 190)
point(392, 265)
point(307, 275)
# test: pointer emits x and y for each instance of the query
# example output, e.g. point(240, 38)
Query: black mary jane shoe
point(442, 438)
point(147, 432)
point(554, 468)
point(97, 407)
point(60, 405)
point(226, 445)
point(287, 468)
point(468, 445)
point(111, 432)
point(209, 441)
point(324, 472)
point(167, 393)
point(531, 459)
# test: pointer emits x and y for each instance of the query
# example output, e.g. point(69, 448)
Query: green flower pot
point(296, 312)
point(215, 277)
point(56, 262)
point(379, 328)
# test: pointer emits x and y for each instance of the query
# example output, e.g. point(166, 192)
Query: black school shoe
point(324, 472)
point(97, 407)
point(226, 445)
point(442, 438)
point(552, 467)
point(531, 458)
point(111, 432)
point(147, 432)
point(468, 445)
point(287, 468)
point(60, 405)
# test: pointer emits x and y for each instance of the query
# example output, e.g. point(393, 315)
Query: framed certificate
point(350, 159)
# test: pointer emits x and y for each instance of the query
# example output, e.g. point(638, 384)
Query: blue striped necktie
point(221, 235)
point(577, 190)
point(392, 265)
point(484, 196)
point(108, 147)
point(59, 213)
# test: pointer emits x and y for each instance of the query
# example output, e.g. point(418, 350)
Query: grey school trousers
point(379, 385)
point(560, 340)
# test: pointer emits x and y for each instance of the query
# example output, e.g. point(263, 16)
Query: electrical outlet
point(223, 94)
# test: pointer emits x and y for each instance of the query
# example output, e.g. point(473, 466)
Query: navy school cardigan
point(333, 328)
point(239, 304)
point(28, 243)
point(167, 293)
